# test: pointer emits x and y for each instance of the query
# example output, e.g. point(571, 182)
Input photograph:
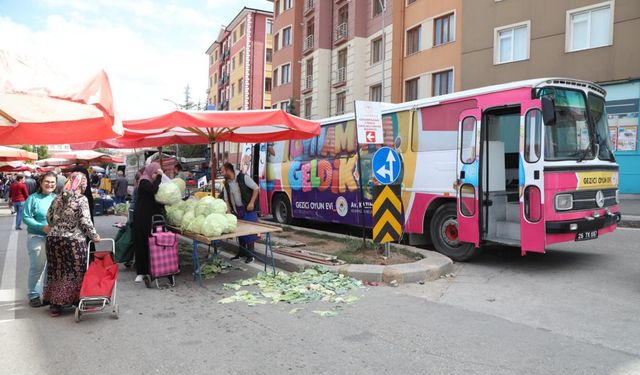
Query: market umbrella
point(89, 156)
point(38, 105)
point(13, 154)
point(53, 162)
point(209, 127)
point(17, 167)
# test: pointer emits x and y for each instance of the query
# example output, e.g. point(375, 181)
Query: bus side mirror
point(548, 111)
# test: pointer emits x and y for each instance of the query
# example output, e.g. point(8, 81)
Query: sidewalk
point(630, 209)
point(4, 208)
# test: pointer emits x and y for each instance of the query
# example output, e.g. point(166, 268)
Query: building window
point(309, 78)
point(376, 51)
point(286, 4)
point(413, 40)
point(275, 77)
point(286, 37)
point(267, 84)
point(341, 73)
point(276, 40)
point(591, 27)
point(269, 28)
point(341, 101)
point(409, 2)
point(240, 86)
point(444, 29)
point(233, 89)
point(240, 57)
point(285, 74)
point(241, 30)
point(211, 60)
point(268, 55)
point(375, 93)
point(378, 7)
point(442, 83)
point(511, 43)
point(276, 7)
point(307, 107)
point(233, 63)
point(411, 89)
point(284, 106)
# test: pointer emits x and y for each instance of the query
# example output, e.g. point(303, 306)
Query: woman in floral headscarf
point(69, 225)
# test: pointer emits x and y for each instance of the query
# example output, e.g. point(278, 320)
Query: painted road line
point(8, 283)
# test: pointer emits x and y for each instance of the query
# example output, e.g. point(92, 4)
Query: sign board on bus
point(369, 122)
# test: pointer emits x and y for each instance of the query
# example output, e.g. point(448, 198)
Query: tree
point(42, 151)
point(292, 107)
point(188, 104)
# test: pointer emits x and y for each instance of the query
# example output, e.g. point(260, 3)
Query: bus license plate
point(584, 236)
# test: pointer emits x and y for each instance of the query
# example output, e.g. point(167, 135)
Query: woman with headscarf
point(69, 225)
point(146, 207)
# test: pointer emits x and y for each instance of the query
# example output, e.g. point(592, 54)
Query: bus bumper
point(582, 225)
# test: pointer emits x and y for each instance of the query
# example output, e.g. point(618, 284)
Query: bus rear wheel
point(281, 209)
point(444, 234)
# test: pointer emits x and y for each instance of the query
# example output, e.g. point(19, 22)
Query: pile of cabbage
point(207, 216)
point(171, 192)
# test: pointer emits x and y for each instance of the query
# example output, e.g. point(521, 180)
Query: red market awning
point(204, 127)
point(15, 154)
point(40, 106)
point(88, 156)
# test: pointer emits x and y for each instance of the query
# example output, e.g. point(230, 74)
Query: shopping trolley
point(100, 281)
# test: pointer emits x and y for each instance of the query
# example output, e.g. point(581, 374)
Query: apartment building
point(240, 63)
point(595, 40)
point(427, 60)
point(287, 46)
point(329, 53)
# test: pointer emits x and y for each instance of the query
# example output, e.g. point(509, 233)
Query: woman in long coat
point(70, 224)
point(146, 207)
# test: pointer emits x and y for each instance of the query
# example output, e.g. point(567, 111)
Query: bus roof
point(426, 102)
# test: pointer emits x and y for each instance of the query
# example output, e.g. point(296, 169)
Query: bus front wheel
point(282, 210)
point(444, 234)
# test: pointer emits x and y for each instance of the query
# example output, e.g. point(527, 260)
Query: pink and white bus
point(526, 164)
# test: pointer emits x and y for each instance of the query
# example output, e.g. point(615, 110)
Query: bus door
point(260, 168)
point(468, 176)
point(531, 176)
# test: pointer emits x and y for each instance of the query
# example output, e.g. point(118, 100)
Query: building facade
point(427, 61)
point(239, 63)
point(327, 54)
point(594, 40)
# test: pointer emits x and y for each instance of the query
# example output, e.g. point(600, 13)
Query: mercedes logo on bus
point(600, 199)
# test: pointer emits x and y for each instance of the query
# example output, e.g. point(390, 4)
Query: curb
point(629, 221)
point(431, 267)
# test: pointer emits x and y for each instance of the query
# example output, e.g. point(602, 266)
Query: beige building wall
point(373, 72)
point(429, 59)
point(548, 49)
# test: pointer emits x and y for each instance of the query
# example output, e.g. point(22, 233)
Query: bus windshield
point(601, 128)
point(569, 138)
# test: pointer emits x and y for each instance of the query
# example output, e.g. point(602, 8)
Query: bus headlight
point(564, 202)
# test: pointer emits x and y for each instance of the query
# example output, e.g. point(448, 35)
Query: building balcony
point(309, 5)
point(307, 44)
point(307, 84)
point(341, 32)
point(341, 77)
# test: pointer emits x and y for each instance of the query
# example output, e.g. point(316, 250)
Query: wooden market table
point(244, 228)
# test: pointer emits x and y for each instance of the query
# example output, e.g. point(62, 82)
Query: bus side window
point(468, 140)
point(532, 135)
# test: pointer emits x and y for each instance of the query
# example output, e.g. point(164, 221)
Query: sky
point(151, 50)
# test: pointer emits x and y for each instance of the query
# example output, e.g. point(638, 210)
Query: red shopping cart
point(99, 285)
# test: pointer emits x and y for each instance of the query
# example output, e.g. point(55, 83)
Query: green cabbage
point(180, 184)
point(232, 223)
point(168, 193)
point(187, 218)
point(209, 205)
point(174, 217)
point(196, 225)
point(219, 206)
point(214, 225)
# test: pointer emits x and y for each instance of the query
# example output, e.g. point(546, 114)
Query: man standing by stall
point(241, 194)
point(120, 188)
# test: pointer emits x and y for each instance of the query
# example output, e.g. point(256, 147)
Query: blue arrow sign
point(386, 165)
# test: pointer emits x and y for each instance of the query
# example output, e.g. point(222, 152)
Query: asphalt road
point(572, 311)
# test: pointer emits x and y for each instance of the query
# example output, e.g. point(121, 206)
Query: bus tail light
point(564, 202)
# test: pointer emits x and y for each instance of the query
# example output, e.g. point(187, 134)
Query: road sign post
point(387, 214)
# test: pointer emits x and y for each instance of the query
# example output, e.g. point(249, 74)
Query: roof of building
point(243, 13)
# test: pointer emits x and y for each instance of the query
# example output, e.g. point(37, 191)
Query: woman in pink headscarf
point(146, 207)
point(70, 224)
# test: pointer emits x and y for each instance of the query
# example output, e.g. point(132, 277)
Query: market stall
point(243, 228)
point(15, 154)
point(40, 106)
